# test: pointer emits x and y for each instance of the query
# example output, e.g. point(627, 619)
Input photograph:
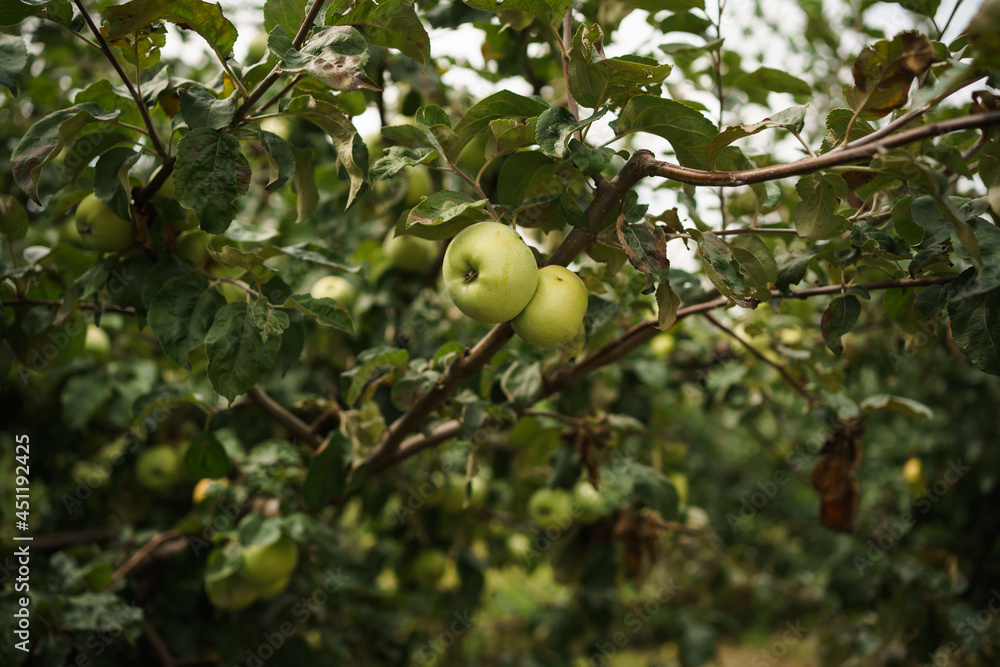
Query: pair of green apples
point(491, 276)
point(266, 571)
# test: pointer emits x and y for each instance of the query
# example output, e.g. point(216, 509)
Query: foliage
point(748, 462)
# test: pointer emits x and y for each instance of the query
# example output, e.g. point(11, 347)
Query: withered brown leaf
point(834, 476)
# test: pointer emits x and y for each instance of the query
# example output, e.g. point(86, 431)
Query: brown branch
point(56, 304)
point(275, 74)
point(753, 230)
point(60, 540)
point(143, 551)
point(782, 371)
point(159, 646)
point(276, 412)
point(650, 166)
point(143, 111)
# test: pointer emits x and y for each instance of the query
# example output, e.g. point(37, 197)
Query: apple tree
point(514, 332)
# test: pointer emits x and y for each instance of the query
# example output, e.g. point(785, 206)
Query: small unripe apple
point(232, 593)
point(662, 346)
point(192, 245)
point(97, 343)
point(588, 500)
point(551, 508)
point(337, 288)
point(418, 184)
point(409, 254)
point(429, 566)
point(490, 272)
point(264, 564)
point(269, 590)
point(158, 467)
point(555, 312)
point(912, 469)
point(100, 228)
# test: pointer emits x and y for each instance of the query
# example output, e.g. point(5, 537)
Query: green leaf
point(390, 23)
point(975, 324)
point(211, 173)
point(755, 259)
point(182, 314)
point(13, 60)
point(91, 612)
point(596, 81)
point(111, 181)
point(555, 128)
point(792, 118)
point(395, 160)
point(304, 184)
point(687, 130)
point(45, 139)
point(206, 457)
point(590, 161)
point(500, 105)
point(336, 56)
point(838, 319)
point(550, 11)
point(325, 311)
point(719, 265)
point(319, 255)
point(280, 156)
point(237, 355)
point(540, 190)
point(201, 108)
point(327, 478)
point(645, 246)
point(339, 128)
point(81, 397)
point(654, 491)
point(816, 217)
point(204, 18)
point(444, 214)
point(364, 374)
point(884, 72)
point(13, 218)
point(667, 302)
point(878, 242)
point(685, 22)
point(904, 406)
point(773, 81)
point(288, 13)
point(522, 383)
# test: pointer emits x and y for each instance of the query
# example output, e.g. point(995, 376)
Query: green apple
point(680, 482)
point(190, 219)
point(232, 593)
point(418, 185)
point(429, 566)
point(551, 508)
point(662, 346)
point(555, 313)
point(490, 272)
point(337, 288)
point(453, 493)
point(409, 254)
point(588, 500)
point(264, 564)
point(519, 545)
point(269, 590)
point(100, 228)
point(192, 245)
point(97, 343)
point(158, 467)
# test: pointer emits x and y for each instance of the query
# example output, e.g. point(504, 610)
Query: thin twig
point(143, 111)
point(567, 44)
point(143, 551)
point(159, 646)
point(276, 412)
point(55, 304)
point(799, 389)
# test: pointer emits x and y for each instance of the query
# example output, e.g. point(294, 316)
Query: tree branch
point(143, 111)
point(55, 304)
point(613, 351)
point(650, 166)
point(275, 411)
point(144, 551)
point(275, 74)
point(160, 647)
